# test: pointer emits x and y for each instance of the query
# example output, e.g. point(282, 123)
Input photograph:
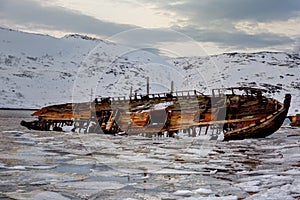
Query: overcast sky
point(217, 26)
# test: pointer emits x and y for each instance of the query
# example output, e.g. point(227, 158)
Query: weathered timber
point(236, 112)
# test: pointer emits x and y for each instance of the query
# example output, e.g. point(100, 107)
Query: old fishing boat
point(237, 113)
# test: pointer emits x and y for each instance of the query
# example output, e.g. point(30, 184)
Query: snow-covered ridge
point(84, 37)
point(38, 70)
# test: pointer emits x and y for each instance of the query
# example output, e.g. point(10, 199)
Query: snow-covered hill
point(38, 70)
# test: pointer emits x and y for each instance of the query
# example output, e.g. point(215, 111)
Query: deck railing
point(183, 93)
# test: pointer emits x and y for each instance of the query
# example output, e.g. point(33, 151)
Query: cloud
point(219, 20)
point(210, 10)
point(35, 16)
point(190, 35)
point(237, 38)
point(231, 23)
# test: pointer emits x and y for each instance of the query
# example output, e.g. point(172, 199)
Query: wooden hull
point(263, 128)
point(238, 116)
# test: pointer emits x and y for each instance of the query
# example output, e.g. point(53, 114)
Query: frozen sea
point(61, 166)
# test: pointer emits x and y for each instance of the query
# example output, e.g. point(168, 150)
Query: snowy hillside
point(38, 70)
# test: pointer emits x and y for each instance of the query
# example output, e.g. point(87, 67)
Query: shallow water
point(52, 165)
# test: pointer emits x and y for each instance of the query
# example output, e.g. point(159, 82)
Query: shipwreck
point(237, 113)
